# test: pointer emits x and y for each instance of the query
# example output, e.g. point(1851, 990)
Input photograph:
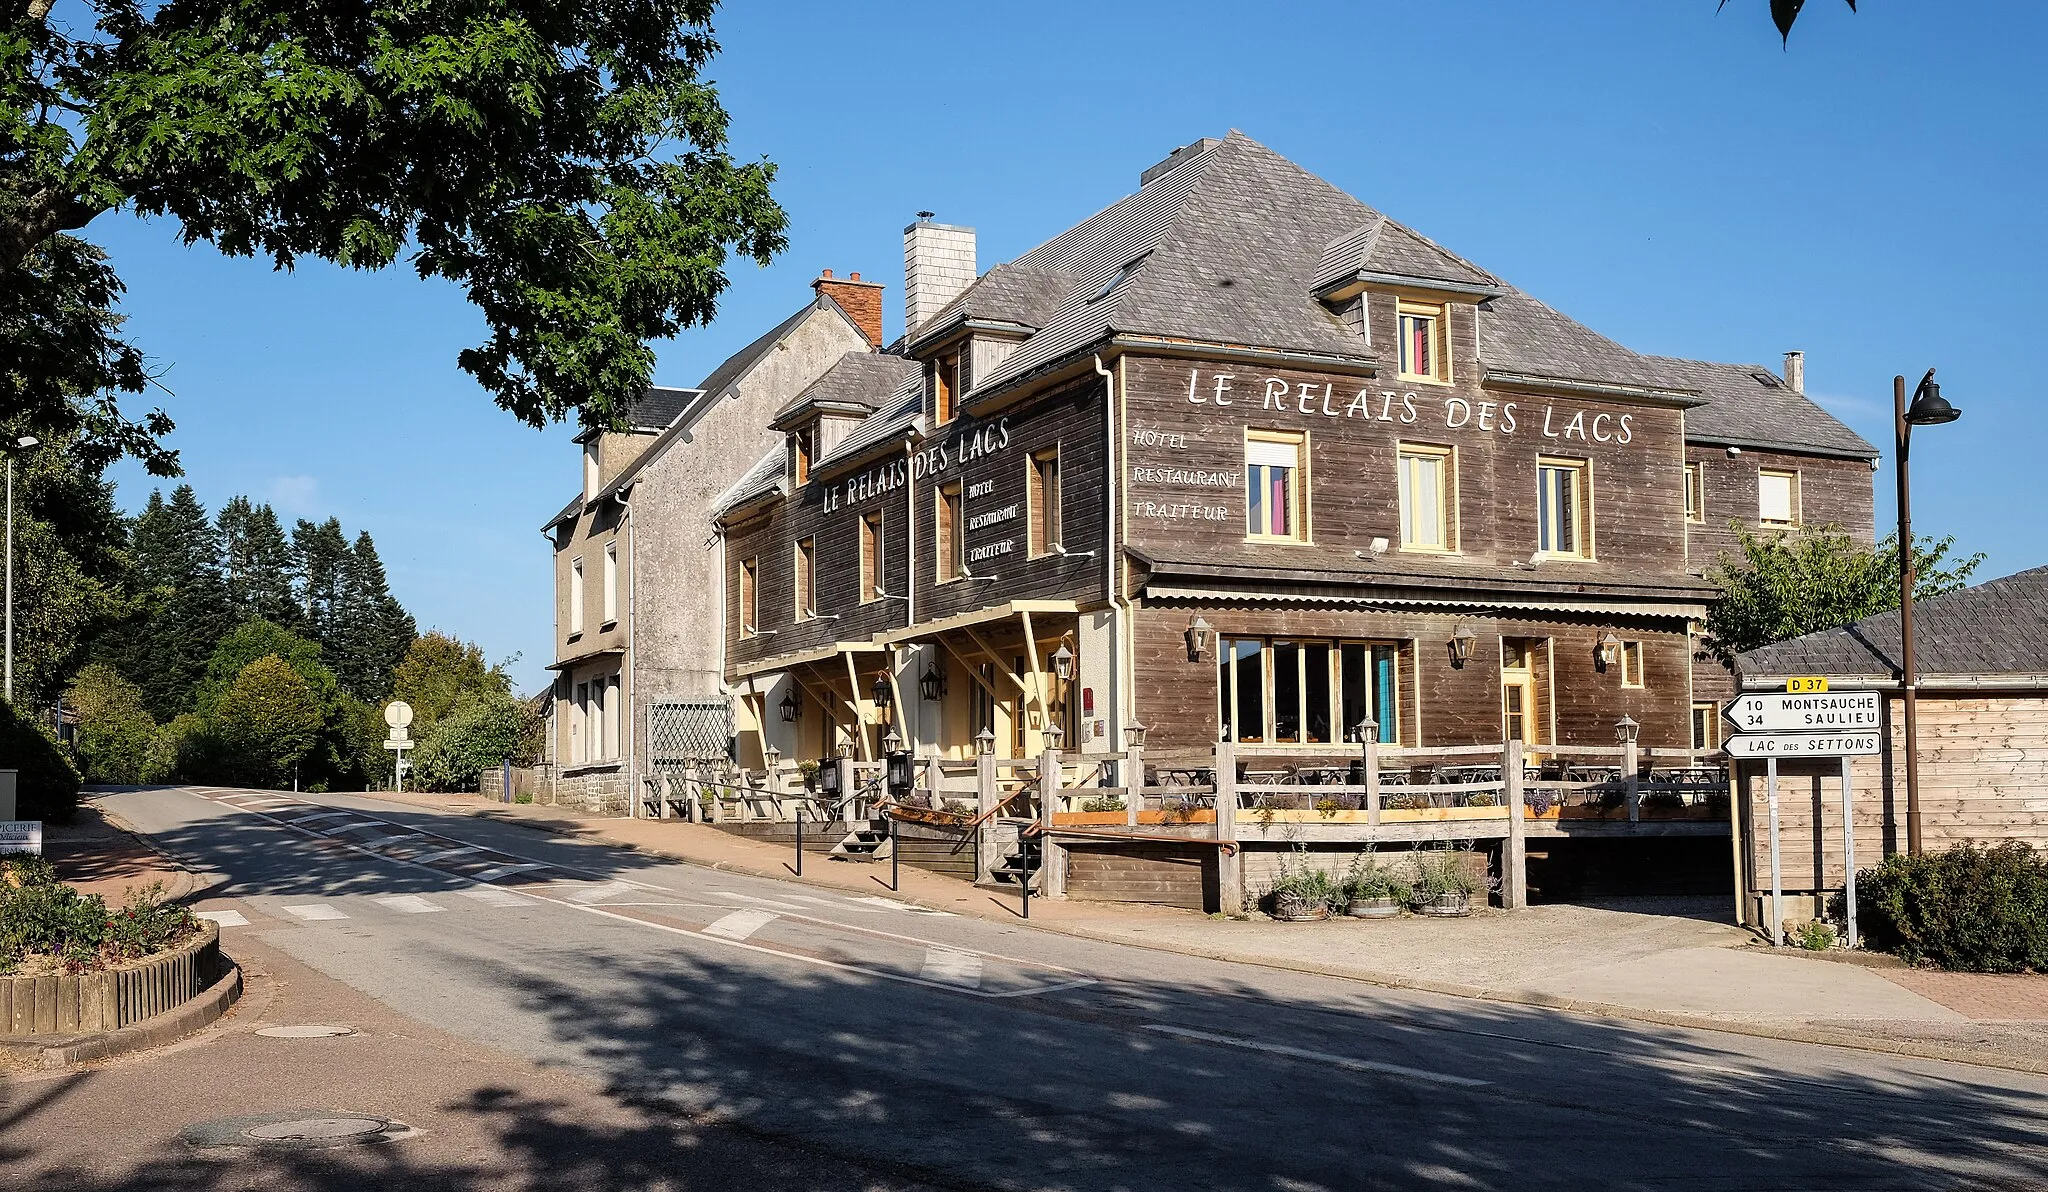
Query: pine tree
point(319, 564)
point(176, 554)
point(373, 631)
point(256, 563)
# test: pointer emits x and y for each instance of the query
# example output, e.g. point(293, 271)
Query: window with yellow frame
point(1424, 335)
point(1276, 486)
point(1428, 490)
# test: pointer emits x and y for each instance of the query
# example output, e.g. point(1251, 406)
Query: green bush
point(114, 728)
point(1965, 908)
point(184, 750)
point(48, 785)
point(40, 916)
point(479, 732)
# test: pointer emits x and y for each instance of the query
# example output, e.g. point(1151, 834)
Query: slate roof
point(659, 406)
point(904, 410)
point(1519, 334)
point(764, 477)
point(1995, 628)
point(1749, 405)
point(865, 379)
point(574, 507)
point(1014, 292)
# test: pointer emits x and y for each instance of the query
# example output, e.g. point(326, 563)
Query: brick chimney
point(938, 264)
point(861, 300)
point(1795, 371)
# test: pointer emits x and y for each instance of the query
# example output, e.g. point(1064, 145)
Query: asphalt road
point(967, 1053)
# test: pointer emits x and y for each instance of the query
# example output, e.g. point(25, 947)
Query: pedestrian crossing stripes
point(497, 871)
point(494, 897)
point(446, 853)
point(408, 904)
point(600, 893)
point(740, 924)
point(224, 918)
point(315, 911)
point(951, 968)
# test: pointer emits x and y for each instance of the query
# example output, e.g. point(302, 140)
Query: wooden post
point(1777, 886)
point(1514, 887)
point(1052, 860)
point(1229, 868)
point(1372, 786)
point(1848, 857)
point(847, 778)
point(717, 804)
point(1738, 817)
point(661, 790)
point(1134, 784)
point(1631, 764)
point(985, 801)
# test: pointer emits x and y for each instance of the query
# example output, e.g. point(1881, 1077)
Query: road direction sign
point(1786, 745)
point(1783, 712)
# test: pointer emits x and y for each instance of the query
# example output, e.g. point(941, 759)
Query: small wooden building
point(1983, 740)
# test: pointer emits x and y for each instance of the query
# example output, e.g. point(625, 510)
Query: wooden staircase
point(868, 841)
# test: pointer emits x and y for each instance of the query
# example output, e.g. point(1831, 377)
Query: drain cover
point(300, 1129)
point(310, 1030)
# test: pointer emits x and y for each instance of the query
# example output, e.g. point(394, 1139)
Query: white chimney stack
point(938, 264)
point(1795, 371)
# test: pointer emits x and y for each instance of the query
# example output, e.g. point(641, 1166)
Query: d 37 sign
point(1783, 712)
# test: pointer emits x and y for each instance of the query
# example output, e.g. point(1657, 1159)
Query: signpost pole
point(1777, 886)
point(1848, 855)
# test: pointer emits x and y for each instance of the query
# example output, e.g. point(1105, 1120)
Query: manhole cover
point(304, 1129)
point(310, 1030)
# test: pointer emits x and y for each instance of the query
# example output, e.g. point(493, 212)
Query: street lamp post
point(1929, 408)
point(20, 445)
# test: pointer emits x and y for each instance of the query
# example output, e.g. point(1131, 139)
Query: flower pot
point(1372, 908)
point(1295, 910)
point(1451, 904)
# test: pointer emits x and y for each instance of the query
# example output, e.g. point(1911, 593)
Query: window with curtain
point(1777, 498)
point(1562, 500)
point(949, 540)
point(806, 579)
point(871, 557)
point(1043, 499)
point(1274, 465)
point(1425, 484)
point(749, 620)
point(1423, 355)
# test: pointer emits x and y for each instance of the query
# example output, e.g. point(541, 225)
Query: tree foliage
point(564, 164)
point(1803, 581)
point(1784, 13)
point(484, 729)
point(269, 719)
point(438, 673)
point(256, 563)
point(114, 728)
point(69, 559)
point(47, 785)
point(183, 602)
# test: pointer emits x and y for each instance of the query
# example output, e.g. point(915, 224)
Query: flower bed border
point(108, 1000)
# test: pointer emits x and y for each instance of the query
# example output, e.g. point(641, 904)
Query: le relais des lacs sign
point(966, 446)
point(1390, 405)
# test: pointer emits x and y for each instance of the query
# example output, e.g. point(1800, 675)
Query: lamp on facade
point(985, 743)
point(933, 685)
point(792, 708)
point(1625, 730)
point(1063, 663)
point(1134, 735)
point(1929, 408)
point(1199, 634)
point(1608, 652)
point(1054, 734)
point(828, 777)
point(772, 756)
point(1461, 646)
point(881, 689)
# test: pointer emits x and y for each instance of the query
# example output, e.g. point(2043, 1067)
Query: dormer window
point(1425, 354)
point(805, 443)
point(945, 388)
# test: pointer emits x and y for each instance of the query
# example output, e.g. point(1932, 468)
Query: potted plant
point(1443, 884)
point(1302, 893)
point(1372, 891)
point(809, 769)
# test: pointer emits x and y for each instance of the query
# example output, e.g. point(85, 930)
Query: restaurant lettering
point(965, 447)
point(1407, 409)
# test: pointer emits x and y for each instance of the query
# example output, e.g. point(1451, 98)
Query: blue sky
point(1671, 177)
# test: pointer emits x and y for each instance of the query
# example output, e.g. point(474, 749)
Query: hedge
point(1965, 908)
point(48, 785)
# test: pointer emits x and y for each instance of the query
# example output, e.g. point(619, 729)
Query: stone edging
point(111, 998)
point(167, 1027)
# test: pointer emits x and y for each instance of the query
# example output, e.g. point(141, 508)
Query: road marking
point(1322, 1057)
point(906, 908)
point(752, 898)
point(494, 896)
point(741, 924)
point(837, 904)
point(446, 853)
point(493, 874)
point(315, 910)
point(953, 968)
point(345, 829)
point(599, 893)
point(324, 815)
point(409, 904)
point(224, 918)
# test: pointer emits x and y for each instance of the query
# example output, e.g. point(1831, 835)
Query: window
point(590, 469)
point(948, 538)
point(806, 579)
point(1777, 498)
point(1423, 354)
point(579, 725)
point(805, 442)
point(1631, 664)
point(575, 597)
point(1706, 726)
point(1274, 486)
point(1044, 501)
point(1521, 709)
point(611, 582)
point(1307, 692)
point(945, 387)
point(983, 714)
point(1695, 492)
point(749, 607)
point(1563, 501)
point(871, 557)
point(1426, 498)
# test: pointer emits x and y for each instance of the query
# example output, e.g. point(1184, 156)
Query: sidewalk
point(97, 853)
point(1671, 961)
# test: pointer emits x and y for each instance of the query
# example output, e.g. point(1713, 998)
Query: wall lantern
point(881, 689)
point(1054, 734)
point(1461, 646)
point(1608, 652)
point(1625, 730)
point(792, 708)
point(773, 757)
point(985, 743)
point(1134, 735)
point(1367, 732)
point(1200, 634)
point(1063, 663)
point(933, 685)
point(900, 780)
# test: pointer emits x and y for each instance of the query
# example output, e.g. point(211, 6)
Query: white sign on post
point(21, 836)
point(1794, 745)
point(1783, 712)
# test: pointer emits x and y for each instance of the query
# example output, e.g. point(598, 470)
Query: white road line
point(754, 898)
point(224, 918)
point(741, 924)
point(345, 829)
point(494, 896)
point(904, 907)
point(592, 894)
point(315, 910)
point(408, 904)
point(1322, 1057)
point(837, 904)
point(493, 874)
point(953, 968)
point(446, 853)
point(324, 815)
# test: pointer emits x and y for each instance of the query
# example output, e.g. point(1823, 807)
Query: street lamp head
point(27, 441)
point(1929, 407)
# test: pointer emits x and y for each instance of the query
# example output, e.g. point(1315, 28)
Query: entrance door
point(1521, 712)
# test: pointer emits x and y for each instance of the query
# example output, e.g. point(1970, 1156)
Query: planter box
point(108, 1000)
point(1118, 819)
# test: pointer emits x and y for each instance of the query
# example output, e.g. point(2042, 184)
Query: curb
point(1813, 1035)
point(167, 1027)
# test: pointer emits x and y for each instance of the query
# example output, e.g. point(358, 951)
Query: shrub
point(1369, 878)
point(1302, 889)
point(47, 788)
point(477, 733)
point(1112, 803)
point(1815, 935)
point(1445, 871)
point(114, 728)
point(184, 750)
point(1966, 908)
point(270, 718)
point(41, 916)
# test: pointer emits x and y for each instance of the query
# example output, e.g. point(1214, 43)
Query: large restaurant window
point(945, 388)
point(1696, 492)
point(1426, 498)
point(1563, 500)
point(806, 579)
point(749, 605)
point(1275, 483)
point(871, 557)
point(1292, 692)
point(950, 538)
point(1044, 501)
point(1777, 498)
point(1423, 357)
